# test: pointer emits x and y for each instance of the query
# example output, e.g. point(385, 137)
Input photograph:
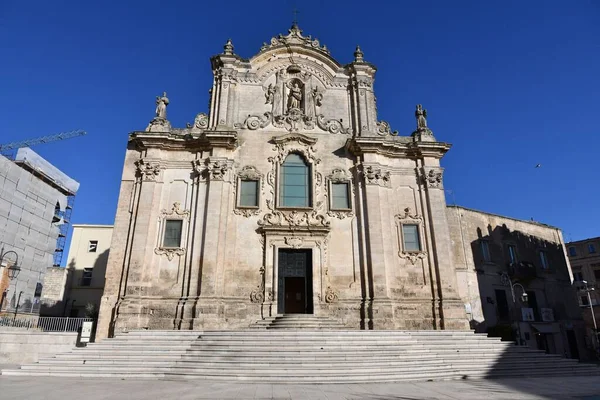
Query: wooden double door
point(295, 281)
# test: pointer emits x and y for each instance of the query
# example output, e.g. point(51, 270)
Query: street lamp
point(588, 291)
point(14, 269)
point(505, 279)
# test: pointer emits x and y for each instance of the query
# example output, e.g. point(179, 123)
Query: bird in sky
point(538, 165)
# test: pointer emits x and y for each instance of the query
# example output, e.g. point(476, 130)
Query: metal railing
point(45, 324)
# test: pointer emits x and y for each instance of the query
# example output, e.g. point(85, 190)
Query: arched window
point(294, 189)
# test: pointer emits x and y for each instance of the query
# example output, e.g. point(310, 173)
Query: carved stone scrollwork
point(433, 178)
point(294, 120)
point(294, 241)
point(294, 219)
point(330, 295)
point(384, 129)
point(377, 176)
point(175, 210)
point(147, 170)
point(332, 125)
point(294, 36)
point(170, 252)
point(258, 294)
point(407, 217)
point(217, 170)
point(246, 212)
point(285, 145)
point(201, 121)
point(254, 122)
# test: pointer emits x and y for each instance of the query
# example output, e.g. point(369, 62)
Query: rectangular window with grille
point(410, 235)
point(249, 193)
point(339, 196)
point(172, 237)
point(92, 246)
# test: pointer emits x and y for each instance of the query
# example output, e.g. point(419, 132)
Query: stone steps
point(303, 356)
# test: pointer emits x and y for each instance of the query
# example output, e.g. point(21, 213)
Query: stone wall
point(19, 346)
point(54, 296)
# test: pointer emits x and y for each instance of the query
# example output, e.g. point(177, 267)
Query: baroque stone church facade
point(289, 196)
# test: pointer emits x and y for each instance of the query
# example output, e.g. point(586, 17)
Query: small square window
point(577, 276)
point(591, 248)
point(339, 196)
point(86, 279)
point(93, 246)
point(172, 237)
point(410, 235)
point(572, 251)
point(544, 260)
point(248, 193)
point(485, 250)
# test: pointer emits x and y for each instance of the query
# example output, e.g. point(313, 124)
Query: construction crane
point(43, 139)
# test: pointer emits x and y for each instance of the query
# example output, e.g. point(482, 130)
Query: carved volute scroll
point(408, 217)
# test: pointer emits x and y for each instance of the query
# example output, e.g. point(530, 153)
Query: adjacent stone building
point(76, 289)
point(585, 262)
point(289, 195)
point(498, 259)
point(33, 204)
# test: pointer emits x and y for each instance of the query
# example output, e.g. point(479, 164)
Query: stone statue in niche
point(161, 106)
point(421, 116)
point(295, 96)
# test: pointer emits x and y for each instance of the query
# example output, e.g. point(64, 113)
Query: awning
point(546, 328)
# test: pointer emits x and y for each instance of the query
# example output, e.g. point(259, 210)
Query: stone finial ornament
point(358, 55)
point(228, 48)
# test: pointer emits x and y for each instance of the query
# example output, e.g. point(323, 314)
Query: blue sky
point(510, 84)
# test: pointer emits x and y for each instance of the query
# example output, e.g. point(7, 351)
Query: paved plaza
point(586, 388)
